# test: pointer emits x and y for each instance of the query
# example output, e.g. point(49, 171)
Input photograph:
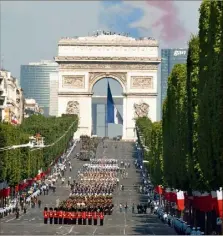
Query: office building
point(53, 111)
point(170, 57)
point(11, 99)
point(35, 81)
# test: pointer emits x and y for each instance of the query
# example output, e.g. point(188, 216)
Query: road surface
point(116, 224)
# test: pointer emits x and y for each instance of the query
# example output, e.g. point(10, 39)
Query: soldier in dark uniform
point(95, 217)
point(60, 216)
point(84, 216)
point(74, 216)
point(101, 218)
point(90, 217)
point(64, 216)
point(45, 215)
point(56, 216)
point(51, 215)
point(92, 193)
point(67, 213)
point(69, 217)
point(79, 217)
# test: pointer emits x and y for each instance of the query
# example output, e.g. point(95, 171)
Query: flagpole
point(106, 121)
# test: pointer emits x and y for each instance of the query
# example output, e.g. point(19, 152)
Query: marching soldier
point(45, 215)
point(56, 215)
point(60, 216)
point(101, 218)
point(90, 218)
point(67, 217)
point(64, 217)
point(39, 203)
point(91, 193)
point(95, 218)
point(79, 218)
point(75, 217)
point(72, 217)
point(25, 209)
point(17, 213)
point(51, 215)
point(84, 217)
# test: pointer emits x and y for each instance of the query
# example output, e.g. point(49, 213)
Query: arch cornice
point(121, 77)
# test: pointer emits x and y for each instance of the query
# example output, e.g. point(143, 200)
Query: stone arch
point(95, 77)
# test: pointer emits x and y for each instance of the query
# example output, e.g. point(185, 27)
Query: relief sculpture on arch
point(73, 108)
point(141, 110)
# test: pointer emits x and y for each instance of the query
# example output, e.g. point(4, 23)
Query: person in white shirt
point(120, 207)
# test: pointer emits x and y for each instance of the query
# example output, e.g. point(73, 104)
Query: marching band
point(91, 196)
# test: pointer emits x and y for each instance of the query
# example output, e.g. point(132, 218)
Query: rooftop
point(103, 38)
point(30, 101)
point(43, 62)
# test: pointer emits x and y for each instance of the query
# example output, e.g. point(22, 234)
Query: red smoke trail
point(171, 27)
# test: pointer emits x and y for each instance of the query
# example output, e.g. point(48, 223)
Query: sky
point(30, 30)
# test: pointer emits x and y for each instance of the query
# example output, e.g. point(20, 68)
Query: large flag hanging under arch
point(113, 115)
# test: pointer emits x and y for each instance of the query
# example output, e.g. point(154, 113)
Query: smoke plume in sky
point(171, 27)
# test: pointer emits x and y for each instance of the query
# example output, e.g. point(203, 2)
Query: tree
point(214, 84)
point(193, 111)
point(174, 129)
point(144, 124)
point(209, 95)
point(194, 172)
point(156, 154)
point(23, 163)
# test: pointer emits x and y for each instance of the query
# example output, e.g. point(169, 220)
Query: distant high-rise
point(170, 57)
point(53, 109)
point(35, 82)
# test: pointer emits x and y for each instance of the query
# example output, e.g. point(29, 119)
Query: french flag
point(14, 120)
point(113, 115)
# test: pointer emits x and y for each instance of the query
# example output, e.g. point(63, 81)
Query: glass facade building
point(35, 82)
point(170, 57)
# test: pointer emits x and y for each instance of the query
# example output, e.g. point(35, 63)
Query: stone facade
point(141, 82)
point(11, 99)
point(85, 60)
point(31, 107)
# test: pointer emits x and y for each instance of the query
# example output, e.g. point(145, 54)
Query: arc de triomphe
point(85, 60)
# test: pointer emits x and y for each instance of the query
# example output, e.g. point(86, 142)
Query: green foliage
point(144, 125)
point(156, 154)
point(192, 125)
point(195, 176)
point(175, 130)
point(210, 95)
point(152, 136)
point(22, 163)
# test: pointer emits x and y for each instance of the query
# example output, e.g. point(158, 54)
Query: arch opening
point(99, 107)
